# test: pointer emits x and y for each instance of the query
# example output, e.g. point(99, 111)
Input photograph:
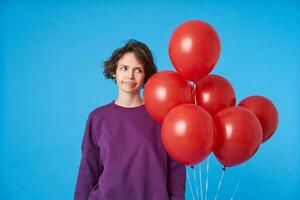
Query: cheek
point(142, 77)
point(119, 76)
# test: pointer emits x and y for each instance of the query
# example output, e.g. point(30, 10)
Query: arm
point(176, 180)
point(90, 166)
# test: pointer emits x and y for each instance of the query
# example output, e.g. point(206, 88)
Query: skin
point(130, 75)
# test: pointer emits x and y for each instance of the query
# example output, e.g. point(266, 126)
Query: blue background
point(51, 58)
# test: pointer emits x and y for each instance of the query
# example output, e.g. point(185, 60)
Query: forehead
point(130, 59)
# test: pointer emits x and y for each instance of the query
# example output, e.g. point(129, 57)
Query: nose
point(131, 74)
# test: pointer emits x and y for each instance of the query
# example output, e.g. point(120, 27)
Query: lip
point(130, 83)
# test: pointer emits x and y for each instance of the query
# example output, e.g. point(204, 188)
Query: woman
point(122, 153)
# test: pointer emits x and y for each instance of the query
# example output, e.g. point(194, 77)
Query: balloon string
point(195, 181)
point(220, 182)
point(238, 184)
point(188, 177)
point(194, 93)
point(200, 177)
point(206, 182)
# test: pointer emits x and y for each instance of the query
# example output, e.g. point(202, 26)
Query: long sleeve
point(90, 167)
point(123, 158)
point(176, 180)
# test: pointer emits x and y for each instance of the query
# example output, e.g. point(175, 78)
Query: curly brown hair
point(142, 53)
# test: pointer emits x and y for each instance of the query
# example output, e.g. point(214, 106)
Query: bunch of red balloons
point(198, 111)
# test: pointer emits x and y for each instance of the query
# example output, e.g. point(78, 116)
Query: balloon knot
point(224, 168)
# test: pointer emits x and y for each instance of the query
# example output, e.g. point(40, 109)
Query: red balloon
point(214, 93)
point(188, 134)
point(164, 91)
point(238, 137)
point(194, 49)
point(265, 111)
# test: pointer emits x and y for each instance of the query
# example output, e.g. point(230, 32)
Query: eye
point(140, 70)
point(123, 68)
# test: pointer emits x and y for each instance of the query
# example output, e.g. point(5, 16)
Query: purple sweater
point(123, 158)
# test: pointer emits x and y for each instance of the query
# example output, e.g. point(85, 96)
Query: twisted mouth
point(130, 83)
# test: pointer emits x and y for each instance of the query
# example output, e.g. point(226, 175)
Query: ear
point(114, 75)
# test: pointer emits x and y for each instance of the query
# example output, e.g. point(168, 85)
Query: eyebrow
point(133, 68)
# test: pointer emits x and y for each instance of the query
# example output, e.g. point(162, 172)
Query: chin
point(133, 90)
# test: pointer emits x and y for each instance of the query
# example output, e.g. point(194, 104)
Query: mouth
point(130, 83)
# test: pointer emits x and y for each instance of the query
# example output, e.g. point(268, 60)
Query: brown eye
point(123, 68)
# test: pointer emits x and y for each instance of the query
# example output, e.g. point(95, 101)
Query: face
point(130, 74)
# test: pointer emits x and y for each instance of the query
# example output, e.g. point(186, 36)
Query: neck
point(129, 100)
